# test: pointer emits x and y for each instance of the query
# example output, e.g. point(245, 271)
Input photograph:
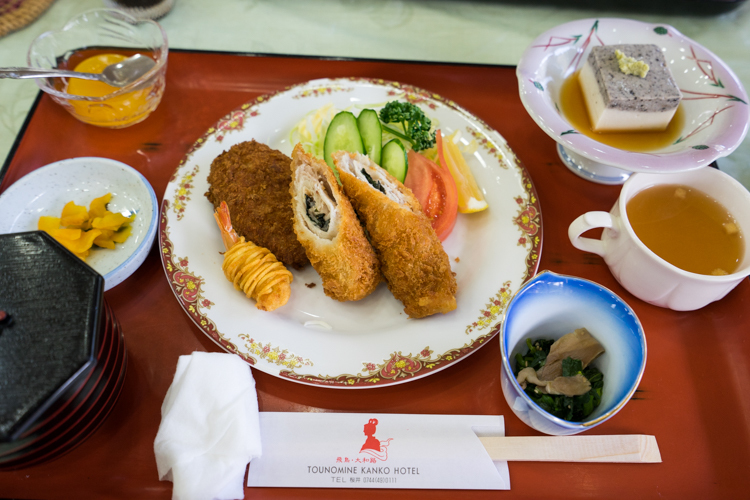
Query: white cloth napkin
point(209, 427)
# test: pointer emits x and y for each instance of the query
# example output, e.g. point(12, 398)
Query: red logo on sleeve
point(374, 447)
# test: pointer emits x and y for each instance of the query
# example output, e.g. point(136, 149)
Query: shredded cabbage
point(311, 130)
point(469, 149)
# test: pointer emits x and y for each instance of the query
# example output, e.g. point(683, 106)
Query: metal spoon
point(116, 75)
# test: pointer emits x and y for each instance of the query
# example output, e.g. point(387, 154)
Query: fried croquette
point(330, 232)
point(412, 260)
point(254, 181)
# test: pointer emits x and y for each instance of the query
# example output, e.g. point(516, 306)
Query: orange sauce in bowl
point(117, 111)
point(573, 108)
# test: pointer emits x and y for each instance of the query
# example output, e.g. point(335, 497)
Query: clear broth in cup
point(687, 228)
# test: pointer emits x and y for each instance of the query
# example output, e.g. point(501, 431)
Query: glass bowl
point(714, 103)
point(547, 307)
point(95, 33)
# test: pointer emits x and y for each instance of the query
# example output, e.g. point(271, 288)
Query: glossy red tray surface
point(693, 396)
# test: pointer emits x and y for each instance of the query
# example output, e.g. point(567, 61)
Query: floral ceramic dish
point(714, 101)
point(368, 343)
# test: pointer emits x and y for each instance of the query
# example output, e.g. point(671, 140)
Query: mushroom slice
point(576, 385)
point(579, 344)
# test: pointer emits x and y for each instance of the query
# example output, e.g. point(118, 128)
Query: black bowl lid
point(53, 303)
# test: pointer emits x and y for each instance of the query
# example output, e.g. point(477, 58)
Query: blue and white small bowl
point(551, 305)
point(46, 190)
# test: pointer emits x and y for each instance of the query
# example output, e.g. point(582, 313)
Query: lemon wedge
point(470, 197)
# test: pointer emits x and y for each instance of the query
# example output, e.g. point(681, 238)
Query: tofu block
point(617, 102)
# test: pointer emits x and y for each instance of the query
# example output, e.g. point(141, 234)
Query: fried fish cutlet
point(253, 180)
point(412, 259)
point(328, 228)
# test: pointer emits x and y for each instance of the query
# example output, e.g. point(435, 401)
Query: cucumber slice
point(394, 159)
point(371, 133)
point(342, 135)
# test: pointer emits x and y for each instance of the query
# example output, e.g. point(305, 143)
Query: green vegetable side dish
point(572, 409)
point(416, 125)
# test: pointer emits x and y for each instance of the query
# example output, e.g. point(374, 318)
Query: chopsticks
point(624, 449)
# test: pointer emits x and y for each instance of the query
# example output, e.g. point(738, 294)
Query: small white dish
point(547, 307)
point(714, 101)
point(45, 191)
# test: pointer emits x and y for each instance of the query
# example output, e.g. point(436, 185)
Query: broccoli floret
point(415, 122)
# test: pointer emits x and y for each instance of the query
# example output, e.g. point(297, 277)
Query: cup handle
point(589, 220)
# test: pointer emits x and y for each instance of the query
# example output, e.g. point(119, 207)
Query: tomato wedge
point(436, 191)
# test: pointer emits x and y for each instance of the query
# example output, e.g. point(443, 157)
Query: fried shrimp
point(328, 228)
point(251, 268)
point(412, 260)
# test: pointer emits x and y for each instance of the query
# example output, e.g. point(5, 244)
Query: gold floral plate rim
point(268, 352)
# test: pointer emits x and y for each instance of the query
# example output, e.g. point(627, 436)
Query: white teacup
point(641, 271)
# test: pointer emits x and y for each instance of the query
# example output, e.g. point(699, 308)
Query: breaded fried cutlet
point(412, 260)
point(253, 180)
point(328, 228)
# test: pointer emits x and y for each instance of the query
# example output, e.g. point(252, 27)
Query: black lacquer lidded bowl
point(62, 357)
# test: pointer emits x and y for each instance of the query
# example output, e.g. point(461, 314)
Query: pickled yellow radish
point(78, 229)
point(74, 215)
point(98, 206)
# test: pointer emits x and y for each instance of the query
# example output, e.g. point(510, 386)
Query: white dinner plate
point(314, 339)
point(46, 190)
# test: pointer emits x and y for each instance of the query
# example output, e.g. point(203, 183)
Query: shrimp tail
point(228, 235)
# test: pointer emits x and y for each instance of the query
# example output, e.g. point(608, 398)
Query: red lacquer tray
point(693, 396)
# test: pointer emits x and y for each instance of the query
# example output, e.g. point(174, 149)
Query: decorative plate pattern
point(714, 101)
point(314, 339)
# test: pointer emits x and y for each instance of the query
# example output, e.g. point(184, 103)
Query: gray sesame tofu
point(617, 101)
